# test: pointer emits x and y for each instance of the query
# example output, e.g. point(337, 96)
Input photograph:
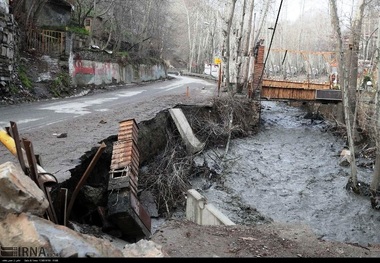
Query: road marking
point(20, 121)
point(79, 108)
point(129, 93)
point(182, 83)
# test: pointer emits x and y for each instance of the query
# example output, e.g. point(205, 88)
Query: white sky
point(291, 9)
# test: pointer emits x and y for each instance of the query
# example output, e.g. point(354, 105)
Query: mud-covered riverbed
point(289, 172)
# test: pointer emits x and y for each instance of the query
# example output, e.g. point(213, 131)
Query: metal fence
point(46, 41)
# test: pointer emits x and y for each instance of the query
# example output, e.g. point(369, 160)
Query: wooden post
point(219, 78)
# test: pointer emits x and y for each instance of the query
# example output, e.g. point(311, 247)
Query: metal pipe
point(10, 144)
point(8, 141)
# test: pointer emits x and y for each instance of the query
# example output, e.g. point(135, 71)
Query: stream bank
point(289, 172)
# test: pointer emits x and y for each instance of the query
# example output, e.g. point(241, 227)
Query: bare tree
point(226, 43)
point(239, 49)
point(248, 46)
point(343, 83)
point(376, 173)
point(352, 61)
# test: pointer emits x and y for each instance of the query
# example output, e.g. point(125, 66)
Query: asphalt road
point(40, 114)
point(89, 119)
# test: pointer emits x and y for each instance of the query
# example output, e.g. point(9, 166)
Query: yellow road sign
point(217, 61)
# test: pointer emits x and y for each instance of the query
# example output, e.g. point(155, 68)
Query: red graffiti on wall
point(79, 69)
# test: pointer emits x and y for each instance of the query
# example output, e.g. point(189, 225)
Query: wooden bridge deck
point(289, 90)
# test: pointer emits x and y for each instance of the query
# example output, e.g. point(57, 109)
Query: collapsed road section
point(123, 211)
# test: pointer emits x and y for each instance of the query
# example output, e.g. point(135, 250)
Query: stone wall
point(9, 38)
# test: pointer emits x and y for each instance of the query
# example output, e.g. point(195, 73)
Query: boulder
point(143, 248)
point(31, 236)
point(345, 158)
point(18, 193)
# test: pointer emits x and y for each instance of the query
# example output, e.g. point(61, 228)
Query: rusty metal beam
point(16, 138)
point(60, 205)
point(40, 181)
point(84, 178)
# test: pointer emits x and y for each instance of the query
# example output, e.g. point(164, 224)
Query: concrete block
point(202, 213)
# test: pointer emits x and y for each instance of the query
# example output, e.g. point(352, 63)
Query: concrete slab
point(193, 145)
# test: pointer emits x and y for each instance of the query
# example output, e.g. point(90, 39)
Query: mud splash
point(289, 172)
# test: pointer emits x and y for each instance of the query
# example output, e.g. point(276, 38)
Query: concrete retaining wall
point(202, 213)
point(89, 72)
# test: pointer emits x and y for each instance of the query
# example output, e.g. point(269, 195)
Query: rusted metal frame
point(61, 206)
point(16, 138)
point(35, 177)
point(84, 178)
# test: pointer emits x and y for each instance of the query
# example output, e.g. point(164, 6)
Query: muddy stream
point(289, 172)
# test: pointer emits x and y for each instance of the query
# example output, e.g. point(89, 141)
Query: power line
point(270, 44)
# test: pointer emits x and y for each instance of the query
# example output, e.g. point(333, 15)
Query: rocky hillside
point(38, 77)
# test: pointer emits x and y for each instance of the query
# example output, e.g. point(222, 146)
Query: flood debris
point(123, 209)
point(31, 168)
point(112, 197)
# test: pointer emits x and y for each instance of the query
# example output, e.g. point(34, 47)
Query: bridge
point(310, 82)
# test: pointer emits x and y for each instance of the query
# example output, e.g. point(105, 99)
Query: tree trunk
point(190, 59)
point(376, 172)
point(343, 81)
point(239, 51)
point(352, 61)
point(248, 46)
point(145, 24)
point(263, 19)
point(227, 47)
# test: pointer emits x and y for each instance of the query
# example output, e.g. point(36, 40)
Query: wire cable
point(270, 44)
